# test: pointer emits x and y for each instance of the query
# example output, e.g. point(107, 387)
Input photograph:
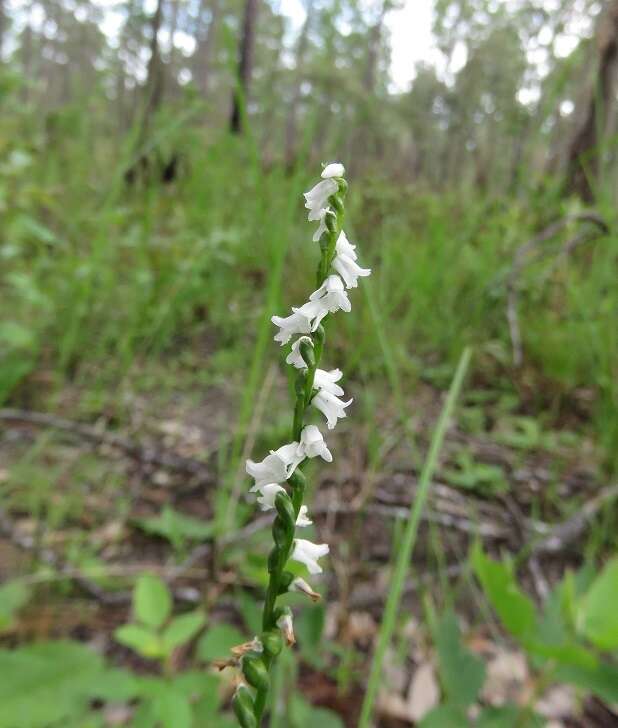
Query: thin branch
point(564, 534)
point(141, 453)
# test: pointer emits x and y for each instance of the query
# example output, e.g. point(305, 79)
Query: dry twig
point(564, 534)
point(141, 453)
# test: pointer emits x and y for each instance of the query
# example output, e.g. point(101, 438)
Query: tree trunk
point(292, 119)
point(203, 56)
point(373, 50)
point(365, 137)
point(3, 24)
point(583, 160)
point(154, 77)
point(153, 90)
point(172, 70)
point(27, 54)
point(245, 65)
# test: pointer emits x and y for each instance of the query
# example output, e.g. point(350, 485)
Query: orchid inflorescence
point(279, 481)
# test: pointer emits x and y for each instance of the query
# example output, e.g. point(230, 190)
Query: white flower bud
point(254, 645)
point(303, 519)
point(334, 169)
point(300, 585)
point(286, 625)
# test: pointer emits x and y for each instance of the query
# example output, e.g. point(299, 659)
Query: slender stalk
point(304, 393)
point(408, 542)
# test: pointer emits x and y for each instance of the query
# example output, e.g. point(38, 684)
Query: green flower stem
point(299, 409)
point(283, 532)
point(261, 695)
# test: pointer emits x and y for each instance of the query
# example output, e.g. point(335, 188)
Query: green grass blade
point(390, 366)
point(409, 538)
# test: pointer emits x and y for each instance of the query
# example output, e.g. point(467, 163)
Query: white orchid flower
point(328, 381)
point(312, 444)
point(268, 494)
point(303, 519)
point(322, 227)
point(345, 247)
point(295, 358)
point(331, 296)
point(316, 200)
point(298, 322)
point(314, 311)
point(345, 262)
point(334, 169)
point(308, 553)
point(276, 467)
point(330, 406)
point(349, 270)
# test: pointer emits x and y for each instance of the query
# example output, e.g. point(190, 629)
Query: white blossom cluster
point(271, 473)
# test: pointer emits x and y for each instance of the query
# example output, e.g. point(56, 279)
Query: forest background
point(153, 156)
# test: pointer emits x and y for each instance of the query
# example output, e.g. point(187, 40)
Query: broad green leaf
point(88, 720)
point(461, 672)
point(309, 626)
point(202, 690)
point(305, 715)
point(554, 637)
point(176, 527)
point(141, 639)
point(152, 602)
point(47, 683)
point(12, 370)
point(182, 629)
point(568, 653)
point(27, 288)
point(250, 609)
point(217, 642)
point(16, 336)
point(568, 599)
point(507, 716)
point(116, 686)
point(444, 716)
point(172, 708)
point(598, 612)
point(226, 722)
point(144, 716)
point(195, 683)
point(601, 680)
point(149, 686)
point(13, 596)
point(514, 608)
point(38, 231)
